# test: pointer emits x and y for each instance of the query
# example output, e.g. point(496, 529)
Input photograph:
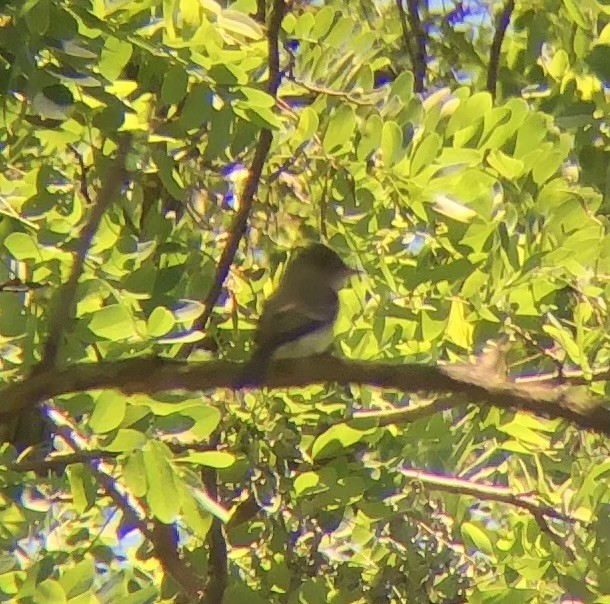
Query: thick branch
point(502, 23)
point(240, 221)
point(465, 383)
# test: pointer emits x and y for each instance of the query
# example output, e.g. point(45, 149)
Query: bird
point(297, 320)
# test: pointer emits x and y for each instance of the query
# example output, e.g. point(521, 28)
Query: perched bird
point(298, 319)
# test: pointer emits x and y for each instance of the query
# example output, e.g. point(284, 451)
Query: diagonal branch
point(163, 537)
point(240, 220)
point(64, 299)
point(502, 23)
point(484, 492)
point(487, 492)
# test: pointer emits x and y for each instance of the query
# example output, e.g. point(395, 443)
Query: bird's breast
point(316, 342)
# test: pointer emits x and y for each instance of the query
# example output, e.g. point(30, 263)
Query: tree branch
point(218, 567)
point(240, 220)
point(64, 299)
point(415, 40)
point(502, 23)
point(58, 461)
point(484, 492)
point(465, 383)
point(163, 537)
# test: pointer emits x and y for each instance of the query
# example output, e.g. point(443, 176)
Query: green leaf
point(256, 97)
point(426, 152)
point(338, 136)
point(402, 86)
point(114, 57)
point(134, 474)
point(108, 412)
point(546, 166)
point(559, 64)
point(38, 17)
point(459, 330)
point(175, 82)
point(506, 166)
point(304, 24)
point(197, 107)
point(126, 439)
point(453, 209)
point(391, 143)
point(341, 32)
point(187, 310)
point(604, 36)
point(477, 538)
point(160, 322)
point(306, 482)
point(82, 487)
point(22, 246)
point(213, 459)
point(210, 505)
point(53, 102)
point(194, 516)
point(575, 12)
point(79, 578)
point(307, 126)
point(323, 21)
point(564, 337)
point(469, 112)
point(113, 322)
point(141, 596)
point(370, 137)
point(228, 75)
point(184, 337)
point(49, 591)
point(526, 432)
point(239, 23)
point(161, 496)
point(337, 437)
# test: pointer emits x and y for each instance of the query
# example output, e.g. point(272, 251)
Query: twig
point(261, 11)
point(342, 94)
point(218, 570)
point(58, 461)
point(290, 161)
point(485, 492)
point(163, 537)
point(240, 220)
point(324, 203)
point(502, 23)
point(415, 41)
point(84, 191)
point(63, 301)
point(463, 382)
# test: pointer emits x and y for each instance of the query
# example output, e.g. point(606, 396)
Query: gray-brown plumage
point(298, 318)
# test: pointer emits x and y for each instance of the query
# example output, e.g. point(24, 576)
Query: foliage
point(473, 214)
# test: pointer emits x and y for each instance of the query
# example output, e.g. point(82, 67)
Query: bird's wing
point(287, 318)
